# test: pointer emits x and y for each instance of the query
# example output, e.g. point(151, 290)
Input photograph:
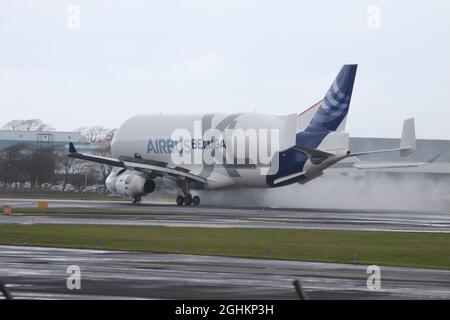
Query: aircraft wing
point(135, 165)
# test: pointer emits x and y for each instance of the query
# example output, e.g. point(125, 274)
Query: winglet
point(72, 148)
point(408, 142)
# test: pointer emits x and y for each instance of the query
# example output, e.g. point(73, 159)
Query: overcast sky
point(131, 57)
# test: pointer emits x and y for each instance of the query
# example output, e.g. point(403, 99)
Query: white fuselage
point(161, 138)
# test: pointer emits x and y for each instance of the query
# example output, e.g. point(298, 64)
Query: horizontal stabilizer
point(387, 165)
point(407, 143)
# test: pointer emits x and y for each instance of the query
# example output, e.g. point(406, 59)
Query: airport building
point(38, 139)
point(58, 140)
point(42, 139)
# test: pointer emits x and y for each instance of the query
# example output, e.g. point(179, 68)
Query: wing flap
point(173, 171)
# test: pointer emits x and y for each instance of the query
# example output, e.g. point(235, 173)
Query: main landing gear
point(188, 200)
point(186, 197)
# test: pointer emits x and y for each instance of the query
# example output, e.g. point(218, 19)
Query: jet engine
point(130, 184)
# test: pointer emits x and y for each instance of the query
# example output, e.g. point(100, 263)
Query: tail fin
point(330, 113)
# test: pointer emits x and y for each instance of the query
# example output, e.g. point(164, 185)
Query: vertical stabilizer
point(330, 113)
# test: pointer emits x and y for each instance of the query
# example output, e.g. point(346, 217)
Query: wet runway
point(40, 273)
point(170, 215)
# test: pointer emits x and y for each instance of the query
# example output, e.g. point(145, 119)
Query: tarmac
point(203, 216)
point(41, 273)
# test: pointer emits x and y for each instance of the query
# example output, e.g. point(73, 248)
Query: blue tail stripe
point(335, 105)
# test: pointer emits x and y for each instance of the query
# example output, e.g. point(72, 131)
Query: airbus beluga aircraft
point(217, 151)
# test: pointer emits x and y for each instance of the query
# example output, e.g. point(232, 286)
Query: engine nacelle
point(130, 185)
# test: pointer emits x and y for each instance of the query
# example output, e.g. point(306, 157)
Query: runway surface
point(171, 215)
point(41, 273)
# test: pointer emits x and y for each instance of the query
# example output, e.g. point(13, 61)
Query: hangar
point(56, 139)
point(42, 139)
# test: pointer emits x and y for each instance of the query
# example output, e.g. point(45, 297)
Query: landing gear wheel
point(196, 200)
point(136, 199)
point(180, 200)
point(188, 200)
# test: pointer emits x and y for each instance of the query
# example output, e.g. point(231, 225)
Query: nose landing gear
point(136, 199)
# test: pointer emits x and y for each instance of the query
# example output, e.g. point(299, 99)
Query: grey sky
point(132, 57)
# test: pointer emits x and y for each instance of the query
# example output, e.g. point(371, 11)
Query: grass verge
point(427, 250)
